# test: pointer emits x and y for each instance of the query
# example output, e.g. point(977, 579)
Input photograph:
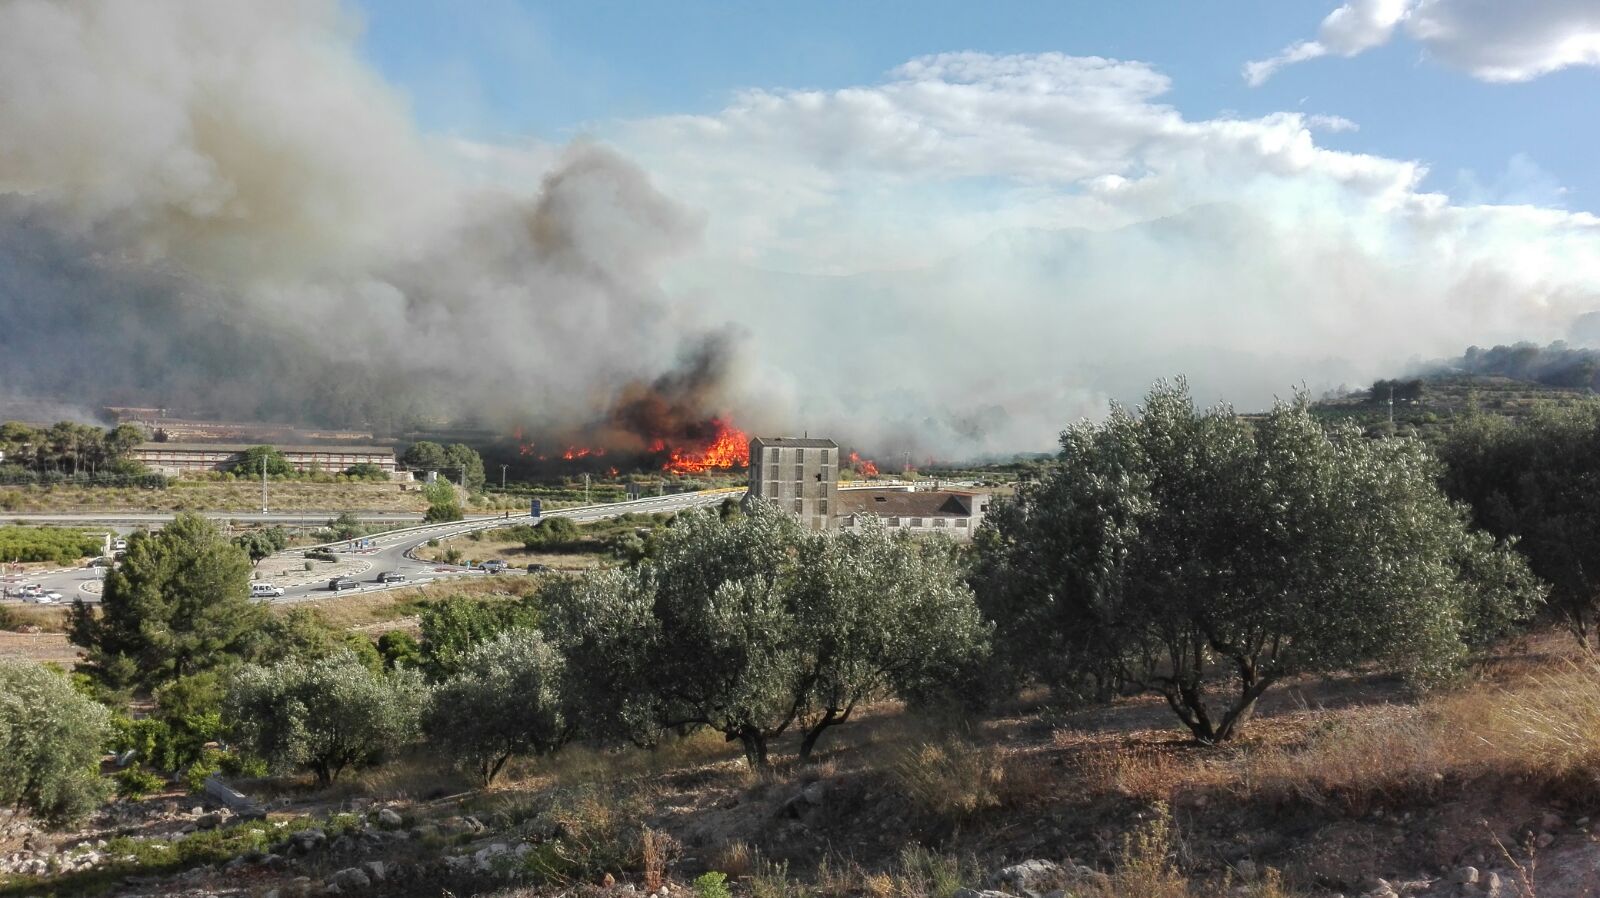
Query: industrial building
point(178, 458)
point(800, 475)
point(955, 513)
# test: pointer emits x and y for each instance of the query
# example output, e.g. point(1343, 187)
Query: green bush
point(136, 782)
point(712, 884)
point(58, 545)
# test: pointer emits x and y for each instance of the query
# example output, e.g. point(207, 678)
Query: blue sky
point(501, 69)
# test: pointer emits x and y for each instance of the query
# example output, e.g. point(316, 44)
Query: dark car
point(391, 577)
point(338, 584)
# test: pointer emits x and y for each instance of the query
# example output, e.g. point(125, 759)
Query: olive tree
point(504, 700)
point(50, 743)
point(323, 715)
point(1172, 549)
point(878, 615)
point(749, 625)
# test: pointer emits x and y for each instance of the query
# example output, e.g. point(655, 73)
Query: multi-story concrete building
point(800, 475)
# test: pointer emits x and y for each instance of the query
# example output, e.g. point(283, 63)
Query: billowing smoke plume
point(216, 207)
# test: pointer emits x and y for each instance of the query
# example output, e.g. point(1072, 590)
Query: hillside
point(1443, 397)
point(1345, 785)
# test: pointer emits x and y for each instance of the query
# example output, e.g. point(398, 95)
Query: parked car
point(338, 584)
point(46, 598)
point(28, 591)
point(119, 544)
point(391, 577)
point(265, 591)
point(494, 566)
point(102, 561)
point(537, 568)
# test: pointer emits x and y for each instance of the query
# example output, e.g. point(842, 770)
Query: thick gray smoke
point(214, 207)
point(217, 206)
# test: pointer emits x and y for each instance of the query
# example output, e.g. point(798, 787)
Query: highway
point(390, 551)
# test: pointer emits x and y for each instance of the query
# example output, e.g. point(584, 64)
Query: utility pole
point(263, 483)
point(503, 476)
point(586, 489)
point(1391, 408)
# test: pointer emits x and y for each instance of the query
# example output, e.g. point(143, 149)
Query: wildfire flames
point(677, 423)
point(730, 449)
point(865, 467)
point(722, 447)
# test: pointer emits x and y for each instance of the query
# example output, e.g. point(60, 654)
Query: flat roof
point(240, 447)
point(794, 443)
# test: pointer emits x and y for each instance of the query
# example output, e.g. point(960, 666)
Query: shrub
point(59, 545)
point(712, 884)
point(136, 782)
point(50, 743)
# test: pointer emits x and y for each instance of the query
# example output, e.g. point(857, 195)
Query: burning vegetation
point(663, 425)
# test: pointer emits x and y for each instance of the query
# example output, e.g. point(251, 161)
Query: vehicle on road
point(46, 598)
point(265, 591)
point(119, 545)
point(28, 591)
point(537, 568)
point(102, 561)
point(339, 584)
point(390, 577)
point(494, 566)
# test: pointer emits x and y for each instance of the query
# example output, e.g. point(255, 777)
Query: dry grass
point(583, 765)
point(200, 495)
point(951, 779)
point(37, 618)
point(362, 610)
point(513, 554)
point(1543, 727)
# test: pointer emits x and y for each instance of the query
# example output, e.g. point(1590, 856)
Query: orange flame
point(730, 449)
point(866, 467)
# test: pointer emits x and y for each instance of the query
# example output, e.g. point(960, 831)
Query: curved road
point(389, 551)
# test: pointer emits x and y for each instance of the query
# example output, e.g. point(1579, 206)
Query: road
point(389, 551)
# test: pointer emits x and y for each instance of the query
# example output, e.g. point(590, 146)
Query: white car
point(28, 591)
point(46, 598)
point(265, 591)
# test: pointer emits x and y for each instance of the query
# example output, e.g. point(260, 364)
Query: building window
point(799, 506)
point(772, 455)
point(799, 456)
point(961, 522)
point(893, 522)
point(822, 507)
point(799, 473)
point(938, 522)
point(916, 522)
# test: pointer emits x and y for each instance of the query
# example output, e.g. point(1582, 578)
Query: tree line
point(67, 450)
point(1184, 552)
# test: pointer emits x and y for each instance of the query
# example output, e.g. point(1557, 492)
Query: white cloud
point(979, 248)
point(1494, 40)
